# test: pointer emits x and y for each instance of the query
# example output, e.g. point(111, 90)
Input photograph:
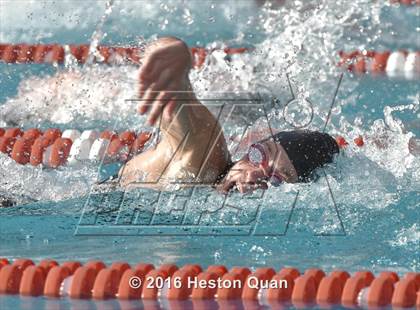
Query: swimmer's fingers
point(145, 83)
point(174, 100)
point(143, 86)
point(181, 99)
point(146, 100)
point(165, 98)
point(148, 97)
point(261, 185)
point(226, 185)
point(247, 187)
point(155, 68)
point(170, 108)
point(242, 187)
point(158, 106)
point(150, 67)
point(230, 181)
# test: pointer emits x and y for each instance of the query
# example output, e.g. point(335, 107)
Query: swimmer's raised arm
point(166, 94)
point(192, 141)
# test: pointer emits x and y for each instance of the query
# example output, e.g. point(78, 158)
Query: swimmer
point(188, 128)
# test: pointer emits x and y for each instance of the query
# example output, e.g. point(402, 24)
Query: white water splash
point(300, 39)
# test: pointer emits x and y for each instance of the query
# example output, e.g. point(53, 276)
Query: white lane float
point(72, 134)
point(80, 149)
point(395, 64)
point(404, 64)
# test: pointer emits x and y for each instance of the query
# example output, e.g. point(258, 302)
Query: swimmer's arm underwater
point(191, 145)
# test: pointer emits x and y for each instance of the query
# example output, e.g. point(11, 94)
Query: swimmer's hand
point(245, 177)
point(163, 78)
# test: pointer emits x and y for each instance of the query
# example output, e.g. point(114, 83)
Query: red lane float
point(331, 288)
point(32, 282)
point(405, 294)
point(353, 286)
point(127, 290)
point(59, 152)
point(54, 148)
point(392, 63)
point(82, 283)
point(72, 266)
point(54, 53)
point(106, 284)
point(98, 281)
point(8, 139)
point(10, 277)
point(56, 276)
point(21, 150)
point(342, 142)
point(396, 63)
point(406, 2)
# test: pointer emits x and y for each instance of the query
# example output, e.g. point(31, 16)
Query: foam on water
point(300, 39)
point(76, 98)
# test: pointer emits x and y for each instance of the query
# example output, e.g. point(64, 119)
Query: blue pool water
point(374, 223)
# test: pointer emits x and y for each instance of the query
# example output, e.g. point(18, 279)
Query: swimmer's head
point(285, 157)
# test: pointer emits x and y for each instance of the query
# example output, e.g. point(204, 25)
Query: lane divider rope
point(406, 2)
point(397, 63)
point(266, 286)
point(55, 53)
point(54, 148)
point(391, 63)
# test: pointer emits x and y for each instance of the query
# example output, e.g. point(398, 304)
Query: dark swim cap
point(307, 150)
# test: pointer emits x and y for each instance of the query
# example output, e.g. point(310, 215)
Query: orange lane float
point(96, 280)
point(56, 276)
point(255, 281)
point(205, 292)
point(406, 2)
point(47, 264)
point(391, 63)
point(37, 150)
point(331, 287)
point(120, 149)
point(354, 285)
point(273, 294)
point(21, 150)
point(128, 289)
point(405, 293)
point(59, 152)
point(32, 282)
point(72, 266)
point(10, 277)
point(82, 282)
point(54, 148)
point(55, 53)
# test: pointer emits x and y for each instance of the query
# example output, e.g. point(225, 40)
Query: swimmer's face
point(244, 176)
point(248, 175)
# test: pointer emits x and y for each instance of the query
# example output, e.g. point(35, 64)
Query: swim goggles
point(258, 155)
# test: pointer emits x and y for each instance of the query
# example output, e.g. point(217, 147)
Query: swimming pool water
point(376, 191)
